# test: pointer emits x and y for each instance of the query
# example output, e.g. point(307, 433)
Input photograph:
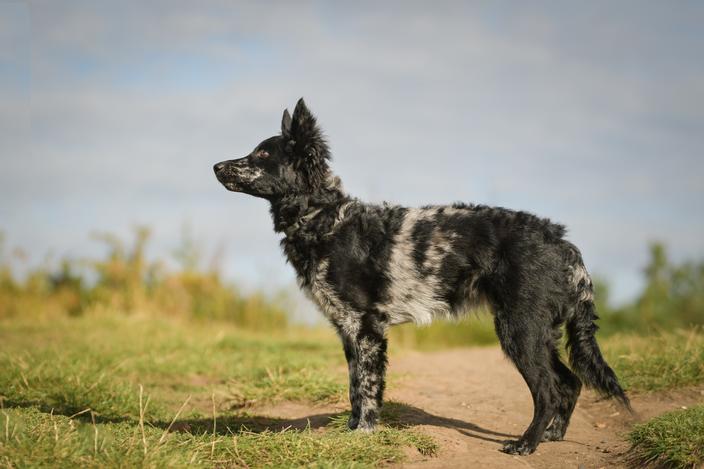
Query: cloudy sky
point(590, 113)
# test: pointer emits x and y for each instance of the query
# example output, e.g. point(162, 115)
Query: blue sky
point(590, 113)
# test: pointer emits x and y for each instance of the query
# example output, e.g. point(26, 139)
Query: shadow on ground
point(394, 414)
point(73, 411)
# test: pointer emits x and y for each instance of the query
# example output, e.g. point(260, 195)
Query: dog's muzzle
point(236, 175)
point(225, 175)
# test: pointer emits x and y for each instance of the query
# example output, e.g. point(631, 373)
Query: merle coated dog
point(369, 267)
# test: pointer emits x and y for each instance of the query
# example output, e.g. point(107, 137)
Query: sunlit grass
point(127, 391)
point(41, 439)
point(666, 360)
point(675, 439)
point(99, 362)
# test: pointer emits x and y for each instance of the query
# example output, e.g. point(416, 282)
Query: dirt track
point(481, 390)
point(470, 400)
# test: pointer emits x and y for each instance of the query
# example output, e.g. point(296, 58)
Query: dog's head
point(295, 162)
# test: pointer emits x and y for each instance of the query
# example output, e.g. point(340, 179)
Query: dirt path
point(475, 399)
point(470, 400)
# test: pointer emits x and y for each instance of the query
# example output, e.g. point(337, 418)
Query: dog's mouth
point(231, 186)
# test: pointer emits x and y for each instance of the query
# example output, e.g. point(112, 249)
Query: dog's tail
point(584, 353)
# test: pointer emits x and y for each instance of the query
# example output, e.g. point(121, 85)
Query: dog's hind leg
point(526, 343)
point(569, 387)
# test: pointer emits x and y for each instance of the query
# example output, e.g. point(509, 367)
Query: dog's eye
point(263, 154)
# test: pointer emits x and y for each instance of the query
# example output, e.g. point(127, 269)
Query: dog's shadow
point(394, 415)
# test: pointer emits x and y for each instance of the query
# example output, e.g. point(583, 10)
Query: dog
point(368, 267)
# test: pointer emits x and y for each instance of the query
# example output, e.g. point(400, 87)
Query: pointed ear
point(303, 122)
point(310, 148)
point(301, 110)
point(286, 124)
point(310, 142)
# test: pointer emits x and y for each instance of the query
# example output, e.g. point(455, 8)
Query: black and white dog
point(372, 266)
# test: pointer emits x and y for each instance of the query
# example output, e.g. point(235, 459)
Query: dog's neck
point(307, 220)
point(297, 214)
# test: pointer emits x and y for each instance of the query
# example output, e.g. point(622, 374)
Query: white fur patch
point(248, 173)
point(579, 274)
point(330, 304)
point(413, 297)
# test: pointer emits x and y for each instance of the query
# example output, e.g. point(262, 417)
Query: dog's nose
point(218, 167)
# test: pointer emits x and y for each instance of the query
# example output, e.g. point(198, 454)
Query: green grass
point(70, 392)
point(663, 361)
point(675, 439)
point(70, 365)
point(39, 439)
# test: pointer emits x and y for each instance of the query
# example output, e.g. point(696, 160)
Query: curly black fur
point(371, 266)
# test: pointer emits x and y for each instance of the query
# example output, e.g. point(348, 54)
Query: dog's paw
point(553, 434)
point(517, 447)
point(365, 428)
point(353, 423)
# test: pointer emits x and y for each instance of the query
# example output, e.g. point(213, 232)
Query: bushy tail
point(585, 356)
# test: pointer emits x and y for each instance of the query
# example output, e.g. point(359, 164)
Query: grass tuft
point(674, 439)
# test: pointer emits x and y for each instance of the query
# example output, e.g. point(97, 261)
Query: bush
point(126, 281)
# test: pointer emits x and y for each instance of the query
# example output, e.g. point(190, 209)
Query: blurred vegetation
point(672, 298)
point(125, 280)
point(474, 329)
point(664, 360)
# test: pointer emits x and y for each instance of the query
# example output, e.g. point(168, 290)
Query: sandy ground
point(471, 400)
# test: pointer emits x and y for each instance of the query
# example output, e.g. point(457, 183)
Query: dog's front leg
point(348, 344)
point(364, 342)
point(371, 369)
